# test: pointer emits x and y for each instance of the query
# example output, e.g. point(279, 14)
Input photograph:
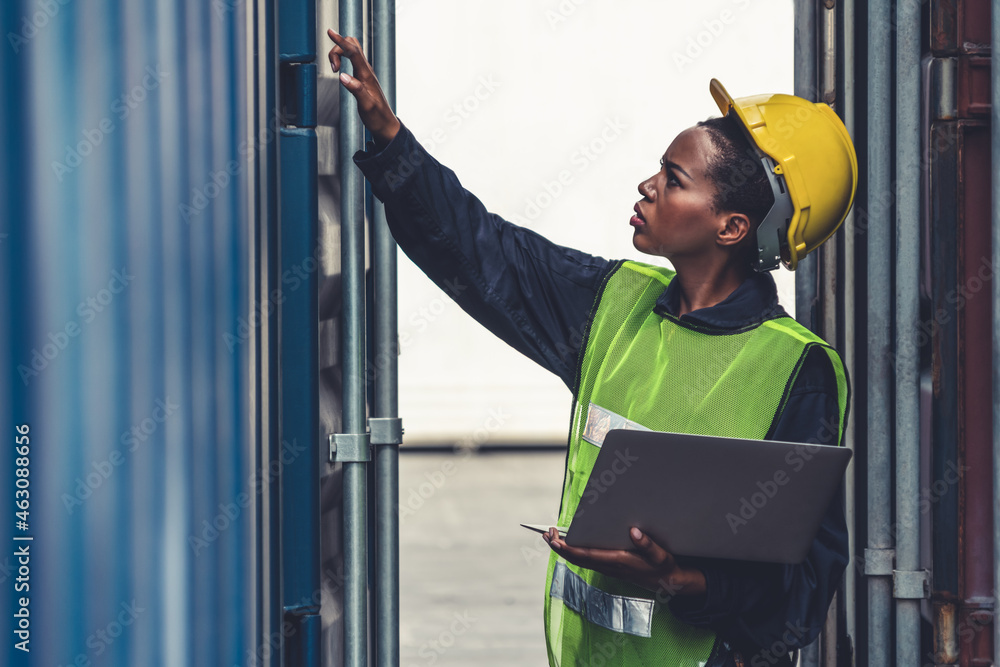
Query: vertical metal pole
point(352, 237)
point(879, 555)
point(806, 76)
point(826, 318)
point(827, 315)
point(907, 354)
point(847, 346)
point(805, 49)
point(995, 234)
point(386, 379)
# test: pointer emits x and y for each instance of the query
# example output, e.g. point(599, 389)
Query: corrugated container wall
point(129, 328)
point(905, 292)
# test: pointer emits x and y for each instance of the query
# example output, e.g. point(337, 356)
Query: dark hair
point(736, 171)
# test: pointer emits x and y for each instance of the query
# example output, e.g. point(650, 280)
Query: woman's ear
point(735, 229)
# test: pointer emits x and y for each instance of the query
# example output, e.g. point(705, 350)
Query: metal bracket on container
point(911, 584)
point(349, 447)
point(297, 94)
point(878, 562)
point(386, 430)
point(944, 88)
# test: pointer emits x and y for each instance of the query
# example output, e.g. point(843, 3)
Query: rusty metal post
point(995, 241)
point(975, 340)
point(941, 223)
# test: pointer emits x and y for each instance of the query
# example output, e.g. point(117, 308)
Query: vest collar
point(753, 302)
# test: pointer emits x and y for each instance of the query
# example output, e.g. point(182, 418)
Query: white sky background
point(509, 95)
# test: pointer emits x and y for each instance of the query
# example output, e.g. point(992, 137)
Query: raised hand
point(372, 105)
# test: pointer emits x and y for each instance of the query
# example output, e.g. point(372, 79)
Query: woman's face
point(675, 217)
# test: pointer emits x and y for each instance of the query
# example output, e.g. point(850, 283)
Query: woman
point(702, 349)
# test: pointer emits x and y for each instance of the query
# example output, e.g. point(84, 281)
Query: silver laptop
point(708, 496)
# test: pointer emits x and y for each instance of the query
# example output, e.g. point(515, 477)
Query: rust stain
point(945, 639)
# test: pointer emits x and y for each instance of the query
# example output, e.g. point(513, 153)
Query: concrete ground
point(472, 579)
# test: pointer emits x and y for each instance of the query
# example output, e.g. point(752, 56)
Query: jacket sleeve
point(760, 607)
point(535, 295)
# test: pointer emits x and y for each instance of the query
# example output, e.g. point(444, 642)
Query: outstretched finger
point(351, 48)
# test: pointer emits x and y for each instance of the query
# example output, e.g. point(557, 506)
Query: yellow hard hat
point(810, 161)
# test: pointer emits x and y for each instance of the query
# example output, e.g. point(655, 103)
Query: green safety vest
point(653, 371)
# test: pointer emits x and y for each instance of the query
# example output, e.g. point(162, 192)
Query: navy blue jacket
point(538, 297)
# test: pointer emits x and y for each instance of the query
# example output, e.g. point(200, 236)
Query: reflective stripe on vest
point(633, 616)
point(658, 373)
